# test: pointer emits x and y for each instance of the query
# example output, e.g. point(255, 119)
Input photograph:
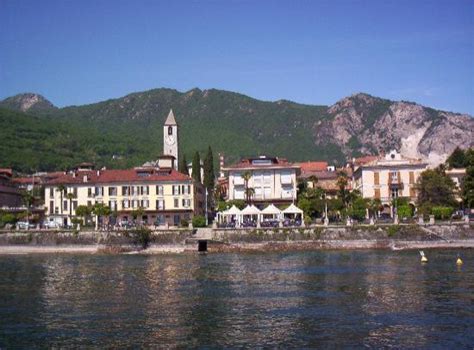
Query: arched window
point(170, 130)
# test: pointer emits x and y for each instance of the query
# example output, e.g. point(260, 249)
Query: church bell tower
point(170, 138)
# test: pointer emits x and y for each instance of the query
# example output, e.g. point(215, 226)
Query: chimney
point(221, 165)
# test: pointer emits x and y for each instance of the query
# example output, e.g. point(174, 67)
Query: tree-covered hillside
point(128, 131)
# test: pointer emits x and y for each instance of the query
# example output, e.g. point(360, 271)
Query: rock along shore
point(395, 237)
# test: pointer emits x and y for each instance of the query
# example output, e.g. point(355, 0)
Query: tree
point(247, 175)
point(62, 190)
point(209, 176)
point(467, 190)
point(100, 210)
point(342, 192)
point(457, 159)
point(196, 167)
point(358, 208)
point(374, 206)
point(249, 193)
point(138, 213)
point(70, 196)
point(83, 211)
point(435, 188)
point(183, 166)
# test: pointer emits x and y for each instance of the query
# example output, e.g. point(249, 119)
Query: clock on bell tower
point(170, 138)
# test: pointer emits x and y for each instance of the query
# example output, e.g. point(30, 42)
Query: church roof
point(170, 119)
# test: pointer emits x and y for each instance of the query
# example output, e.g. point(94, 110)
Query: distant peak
point(26, 102)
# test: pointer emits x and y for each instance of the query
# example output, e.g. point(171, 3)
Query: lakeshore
point(185, 241)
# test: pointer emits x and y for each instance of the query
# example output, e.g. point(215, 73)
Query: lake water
point(311, 299)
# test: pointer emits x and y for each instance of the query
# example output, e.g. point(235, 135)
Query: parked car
point(457, 215)
point(51, 224)
point(23, 225)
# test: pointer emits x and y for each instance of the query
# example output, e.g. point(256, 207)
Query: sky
point(313, 52)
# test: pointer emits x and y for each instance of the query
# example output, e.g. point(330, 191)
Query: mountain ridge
point(129, 128)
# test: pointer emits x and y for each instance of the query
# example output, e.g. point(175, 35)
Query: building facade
point(163, 196)
point(10, 195)
point(271, 180)
point(388, 177)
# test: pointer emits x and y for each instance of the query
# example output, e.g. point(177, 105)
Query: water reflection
point(335, 298)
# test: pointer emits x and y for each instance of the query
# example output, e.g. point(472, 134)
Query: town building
point(457, 175)
point(170, 138)
point(164, 196)
point(388, 177)
point(10, 195)
point(271, 180)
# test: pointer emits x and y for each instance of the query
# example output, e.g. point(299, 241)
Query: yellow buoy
point(459, 261)
point(423, 257)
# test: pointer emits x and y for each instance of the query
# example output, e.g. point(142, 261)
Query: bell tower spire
point(170, 138)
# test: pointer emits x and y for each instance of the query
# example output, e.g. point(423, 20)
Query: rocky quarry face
point(369, 125)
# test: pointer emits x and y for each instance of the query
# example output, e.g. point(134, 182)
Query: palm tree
point(247, 176)
point(62, 190)
point(249, 192)
point(100, 209)
point(70, 196)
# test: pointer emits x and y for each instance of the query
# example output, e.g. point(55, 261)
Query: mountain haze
point(128, 131)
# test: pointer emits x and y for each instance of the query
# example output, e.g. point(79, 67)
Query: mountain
point(362, 124)
point(127, 131)
point(28, 102)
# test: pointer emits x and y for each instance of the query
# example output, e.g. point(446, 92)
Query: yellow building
point(388, 177)
point(165, 195)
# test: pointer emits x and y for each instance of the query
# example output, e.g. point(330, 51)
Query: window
point(159, 190)
point(99, 191)
point(176, 220)
point(125, 191)
point(176, 203)
point(74, 205)
point(112, 191)
point(377, 193)
point(170, 130)
point(146, 190)
point(189, 189)
point(412, 177)
point(160, 204)
point(113, 205)
point(74, 191)
point(376, 179)
point(126, 204)
point(51, 193)
point(51, 207)
point(89, 192)
point(186, 203)
point(64, 205)
point(394, 193)
point(267, 192)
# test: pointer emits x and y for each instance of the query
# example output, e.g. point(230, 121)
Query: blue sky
point(314, 52)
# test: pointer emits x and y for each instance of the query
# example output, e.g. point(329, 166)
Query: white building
point(271, 180)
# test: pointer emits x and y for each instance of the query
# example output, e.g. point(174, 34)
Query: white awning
point(271, 210)
point(250, 210)
point(232, 211)
point(292, 209)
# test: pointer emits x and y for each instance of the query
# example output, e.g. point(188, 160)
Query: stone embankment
point(239, 240)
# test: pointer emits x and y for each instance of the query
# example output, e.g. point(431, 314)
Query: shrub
point(184, 223)
point(405, 211)
point(393, 230)
point(7, 219)
point(199, 221)
point(142, 237)
point(442, 213)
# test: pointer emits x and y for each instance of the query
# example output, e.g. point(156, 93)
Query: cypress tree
point(196, 167)
point(183, 166)
point(209, 176)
